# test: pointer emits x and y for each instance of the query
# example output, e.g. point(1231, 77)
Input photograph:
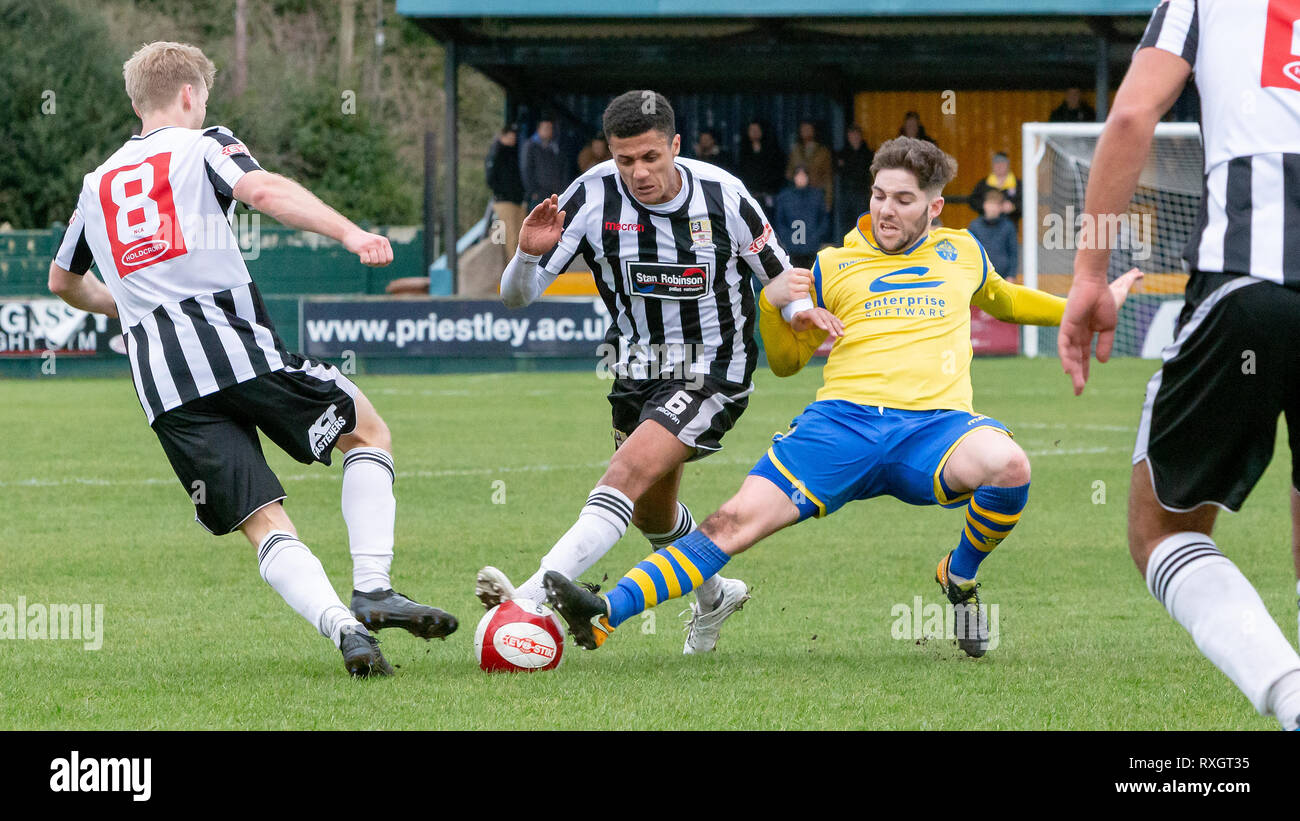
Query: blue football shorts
point(838, 451)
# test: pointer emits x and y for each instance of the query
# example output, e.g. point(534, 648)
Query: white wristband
point(798, 306)
point(527, 258)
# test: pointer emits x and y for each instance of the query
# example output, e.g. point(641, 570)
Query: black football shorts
point(698, 412)
point(1210, 419)
point(213, 446)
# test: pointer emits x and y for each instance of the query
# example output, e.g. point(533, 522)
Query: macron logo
point(77, 774)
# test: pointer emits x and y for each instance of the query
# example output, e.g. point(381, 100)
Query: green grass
point(195, 639)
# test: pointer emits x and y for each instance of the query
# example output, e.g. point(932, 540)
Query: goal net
point(1151, 235)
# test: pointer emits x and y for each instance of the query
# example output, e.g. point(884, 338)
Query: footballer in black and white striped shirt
point(1209, 424)
point(672, 244)
point(208, 367)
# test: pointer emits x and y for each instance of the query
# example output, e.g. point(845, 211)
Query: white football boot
point(704, 625)
point(492, 587)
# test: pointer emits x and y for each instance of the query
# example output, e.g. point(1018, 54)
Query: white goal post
point(1057, 158)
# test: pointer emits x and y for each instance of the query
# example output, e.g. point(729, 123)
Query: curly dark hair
point(635, 112)
point(932, 168)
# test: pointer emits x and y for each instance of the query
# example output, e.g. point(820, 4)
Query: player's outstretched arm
point(1153, 82)
point(542, 227)
point(789, 346)
point(82, 291)
point(1029, 306)
point(522, 282)
point(293, 205)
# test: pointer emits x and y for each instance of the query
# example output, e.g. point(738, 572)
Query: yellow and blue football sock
point(990, 516)
point(666, 574)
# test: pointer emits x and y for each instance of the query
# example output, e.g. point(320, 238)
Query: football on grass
point(519, 636)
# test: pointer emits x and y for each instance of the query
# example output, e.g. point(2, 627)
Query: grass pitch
point(493, 468)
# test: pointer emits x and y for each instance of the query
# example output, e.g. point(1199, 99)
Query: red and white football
point(519, 636)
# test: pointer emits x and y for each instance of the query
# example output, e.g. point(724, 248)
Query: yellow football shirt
point(906, 318)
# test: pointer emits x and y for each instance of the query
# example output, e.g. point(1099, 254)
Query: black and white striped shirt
point(155, 219)
point(670, 275)
point(1245, 55)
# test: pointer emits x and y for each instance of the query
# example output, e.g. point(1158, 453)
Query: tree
point(62, 108)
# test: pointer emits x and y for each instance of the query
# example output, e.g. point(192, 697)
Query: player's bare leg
point(649, 455)
point(995, 470)
point(296, 574)
point(1149, 523)
point(655, 511)
point(758, 510)
point(1205, 592)
point(370, 512)
point(986, 457)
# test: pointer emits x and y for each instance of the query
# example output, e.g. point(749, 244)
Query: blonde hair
point(158, 71)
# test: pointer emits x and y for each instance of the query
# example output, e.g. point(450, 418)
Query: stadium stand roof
point(841, 46)
point(763, 8)
point(543, 51)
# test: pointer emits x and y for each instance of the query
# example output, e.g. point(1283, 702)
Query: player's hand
point(1089, 310)
point(792, 284)
point(1119, 289)
point(542, 227)
point(818, 318)
point(371, 249)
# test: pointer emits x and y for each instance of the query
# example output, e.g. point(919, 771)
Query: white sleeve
point(227, 159)
point(1174, 28)
point(524, 280)
point(74, 253)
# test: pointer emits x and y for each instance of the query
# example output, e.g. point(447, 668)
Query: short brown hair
point(932, 168)
point(158, 71)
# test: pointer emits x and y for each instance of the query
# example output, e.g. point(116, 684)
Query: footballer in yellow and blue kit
point(896, 398)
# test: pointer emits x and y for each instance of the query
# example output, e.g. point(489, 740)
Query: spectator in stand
point(997, 233)
point(760, 164)
point(912, 127)
point(800, 220)
point(853, 165)
point(545, 169)
point(708, 150)
point(507, 185)
point(1073, 110)
point(596, 152)
point(815, 159)
point(1002, 179)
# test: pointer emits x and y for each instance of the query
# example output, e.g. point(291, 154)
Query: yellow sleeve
point(787, 351)
point(1016, 303)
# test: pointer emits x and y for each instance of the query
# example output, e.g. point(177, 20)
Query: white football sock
point(369, 509)
point(709, 592)
point(296, 574)
point(1297, 593)
point(1284, 700)
point(602, 522)
point(1206, 593)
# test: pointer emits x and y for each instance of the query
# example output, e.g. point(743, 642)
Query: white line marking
point(336, 476)
point(1064, 426)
